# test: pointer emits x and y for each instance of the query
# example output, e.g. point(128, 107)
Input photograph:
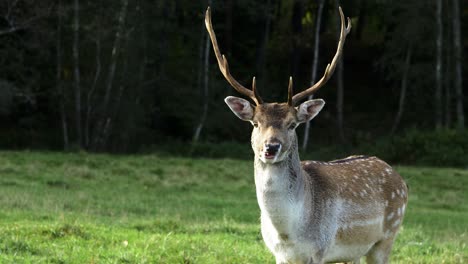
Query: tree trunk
point(206, 75)
point(448, 68)
point(89, 98)
point(115, 53)
point(339, 99)
point(457, 48)
point(448, 91)
point(340, 88)
point(262, 49)
point(103, 125)
point(448, 82)
point(314, 65)
point(403, 87)
point(118, 97)
point(362, 19)
point(438, 69)
point(60, 91)
point(298, 11)
point(76, 61)
point(201, 64)
point(228, 28)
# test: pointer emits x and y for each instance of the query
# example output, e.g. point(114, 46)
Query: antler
point(290, 92)
point(330, 67)
point(224, 67)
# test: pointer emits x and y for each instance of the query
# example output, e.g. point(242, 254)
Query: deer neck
point(280, 189)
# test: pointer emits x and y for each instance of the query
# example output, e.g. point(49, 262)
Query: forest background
point(140, 76)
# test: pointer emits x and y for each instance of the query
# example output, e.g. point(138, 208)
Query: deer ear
point(309, 109)
point(240, 107)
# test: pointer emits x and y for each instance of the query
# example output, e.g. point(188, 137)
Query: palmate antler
point(292, 99)
point(224, 67)
point(330, 67)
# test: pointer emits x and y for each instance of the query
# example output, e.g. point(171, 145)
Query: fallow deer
point(313, 211)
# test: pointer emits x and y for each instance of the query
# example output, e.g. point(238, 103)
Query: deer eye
point(255, 124)
point(292, 126)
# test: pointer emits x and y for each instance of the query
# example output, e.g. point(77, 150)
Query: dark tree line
point(132, 74)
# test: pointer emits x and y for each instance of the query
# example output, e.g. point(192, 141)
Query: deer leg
point(311, 261)
point(318, 259)
point(281, 260)
point(380, 252)
point(356, 261)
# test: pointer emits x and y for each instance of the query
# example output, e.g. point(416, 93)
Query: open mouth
point(271, 150)
point(270, 155)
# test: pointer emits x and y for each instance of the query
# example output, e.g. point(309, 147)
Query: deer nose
point(272, 148)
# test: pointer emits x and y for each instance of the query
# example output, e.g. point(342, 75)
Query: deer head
point(274, 124)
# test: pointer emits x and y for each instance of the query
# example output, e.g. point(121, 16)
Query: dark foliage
point(156, 95)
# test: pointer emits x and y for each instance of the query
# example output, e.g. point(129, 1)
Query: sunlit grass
point(82, 208)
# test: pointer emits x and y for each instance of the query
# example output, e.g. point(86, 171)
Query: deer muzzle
point(271, 150)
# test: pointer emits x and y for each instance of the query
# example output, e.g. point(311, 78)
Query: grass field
point(83, 208)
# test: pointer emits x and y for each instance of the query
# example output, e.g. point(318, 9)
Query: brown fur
point(274, 115)
point(361, 179)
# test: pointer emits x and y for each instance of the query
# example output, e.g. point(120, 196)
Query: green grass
point(83, 208)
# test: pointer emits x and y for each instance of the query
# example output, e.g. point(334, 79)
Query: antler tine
point(331, 66)
point(290, 91)
point(223, 64)
point(255, 91)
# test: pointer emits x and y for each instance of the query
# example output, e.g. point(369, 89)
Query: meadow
point(96, 208)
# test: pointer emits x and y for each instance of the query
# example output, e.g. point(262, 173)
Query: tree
point(76, 71)
point(90, 107)
point(318, 23)
point(340, 90)
point(448, 55)
point(296, 22)
point(206, 78)
point(403, 88)
point(105, 122)
point(262, 48)
point(60, 90)
point(404, 29)
point(17, 19)
point(457, 48)
point(438, 65)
